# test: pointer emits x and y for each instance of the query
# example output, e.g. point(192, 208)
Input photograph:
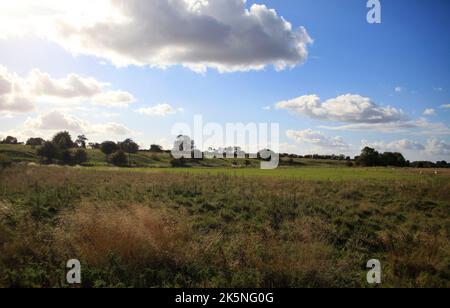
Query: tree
point(81, 141)
point(94, 145)
point(80, 157)
point(108, 147)
point(119, 159)
point(63, 140)
point(49, 151)
point(67, 157)
point(129, 146)
point(35, 142)
point(156, 148)
point(393, 159)
point(369, 157)
point(10, 140)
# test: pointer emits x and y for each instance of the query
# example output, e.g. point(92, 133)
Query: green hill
point(147, 159)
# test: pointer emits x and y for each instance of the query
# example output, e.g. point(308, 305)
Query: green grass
point(19, 153)
point(209, 228)
point(304, 173)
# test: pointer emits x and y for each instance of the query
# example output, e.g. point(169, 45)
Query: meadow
point(223, 227)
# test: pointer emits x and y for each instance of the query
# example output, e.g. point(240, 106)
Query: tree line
point(62, 149)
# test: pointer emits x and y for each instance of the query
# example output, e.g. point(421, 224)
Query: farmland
point(305, 226)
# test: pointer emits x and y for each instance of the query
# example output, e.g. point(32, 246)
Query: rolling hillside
point(146, 159)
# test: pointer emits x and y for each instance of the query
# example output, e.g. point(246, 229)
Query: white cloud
point(398, 89)
point(433, 149)
point(114, 99)
point(413, 127)
point(14, 93)
point(56, 120)
point(429, 112)
point(317, 139)
point(110, 128)
point(159, 110)
point(21, 94)
point(438, 147)
point(350, 108)
point(446, 106)
point(396, 146)
point(199, 34)
point(70, 87)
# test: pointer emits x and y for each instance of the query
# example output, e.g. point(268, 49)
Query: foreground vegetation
point(200, 229)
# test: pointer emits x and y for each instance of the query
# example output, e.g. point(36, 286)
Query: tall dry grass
point(138, 235)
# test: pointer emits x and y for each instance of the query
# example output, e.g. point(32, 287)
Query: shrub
point(108, 147)
point(35, 142)
point(49, 151)
point(178, 163)
point(67, 157)
point(80, 157)
point(156, 148)
point(5, 161)
point(119, 159)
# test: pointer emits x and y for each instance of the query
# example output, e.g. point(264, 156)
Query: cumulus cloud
point(398, 89)
point(72, 86)
point(396, 146)
point(21, 94)
point(318, 139)
point(226, 35)
point(361, 114)
point(438, 147)
point(160, 110)
point(431, 149)
point(14, 93)
point(57, 120)
point(446, 106)
point(350, 108)
point(429, 112)
point(114, 99)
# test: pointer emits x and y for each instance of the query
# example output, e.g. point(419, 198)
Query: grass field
point(206, 227)
point(304, 173)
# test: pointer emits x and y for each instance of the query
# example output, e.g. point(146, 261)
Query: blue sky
point(402, 63)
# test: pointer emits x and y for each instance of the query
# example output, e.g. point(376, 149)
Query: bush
point(156, 148)
point(35, 142)
point(49, 151)
point(5, 161)
point(178, 163)
point(119, 159)
point(108, 147)
point(80, 157)
point(67, 157)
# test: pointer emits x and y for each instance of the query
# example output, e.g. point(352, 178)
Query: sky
point(113, 69)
